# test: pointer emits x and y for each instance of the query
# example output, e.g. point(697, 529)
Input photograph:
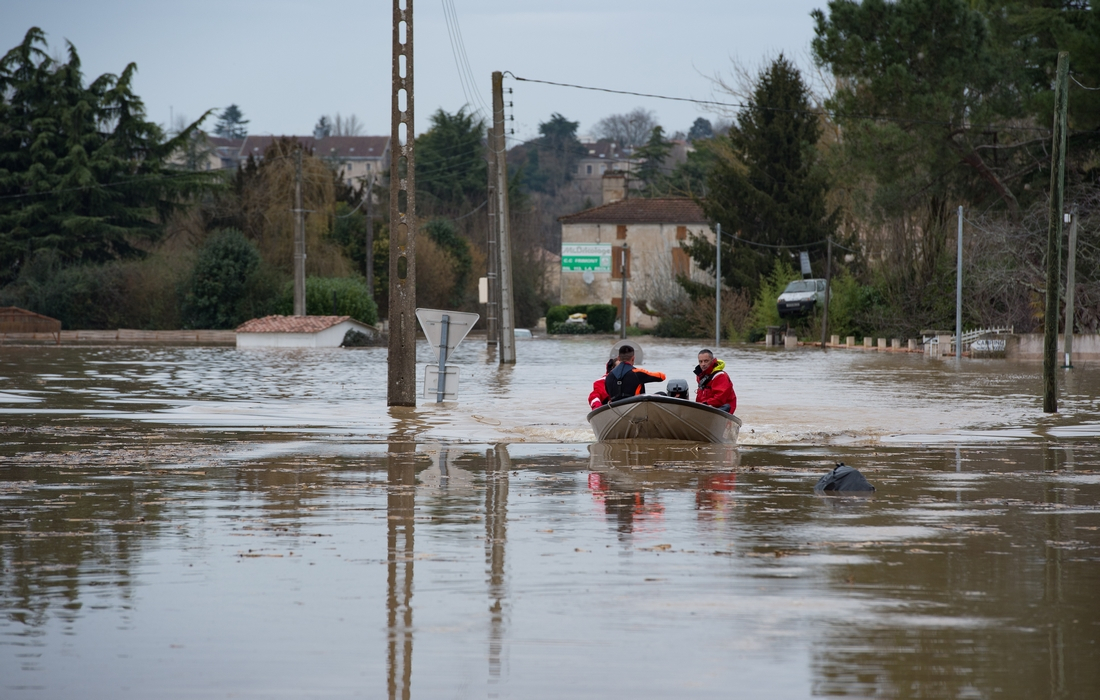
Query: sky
point(287, 62)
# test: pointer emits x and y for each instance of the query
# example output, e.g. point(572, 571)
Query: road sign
point(450, 383)
point(459, 324)
point(586, 257)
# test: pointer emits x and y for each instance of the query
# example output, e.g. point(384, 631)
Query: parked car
point(800, 297)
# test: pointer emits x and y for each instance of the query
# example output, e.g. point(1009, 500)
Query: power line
point(741, 105)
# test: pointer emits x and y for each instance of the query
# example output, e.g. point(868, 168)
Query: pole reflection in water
point(498, 464)
point(400, 555)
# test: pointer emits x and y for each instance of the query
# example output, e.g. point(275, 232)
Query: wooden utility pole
point(492, 310)
point(504, 243)
point(828, 290)
point(1054, 233)
point(401, 388)
point(370, 236)
point(1071, 282)
point(299, 238)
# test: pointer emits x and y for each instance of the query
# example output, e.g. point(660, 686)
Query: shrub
point(764, 310)
point(573, 328)
point(602, 317)
point(336, 296)
point(222, 289)
point(556, 315)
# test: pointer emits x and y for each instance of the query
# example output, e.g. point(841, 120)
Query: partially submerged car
point(800, 297)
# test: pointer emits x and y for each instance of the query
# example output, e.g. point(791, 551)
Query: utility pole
point(624, 261)
point(1054, 233)
point(299, 238)
point(717, 287)
point(1070, 283)
point(959, 291)
point(504, 242)
point(401, 387)
point(370, 236)
point(492, 319)
point(828, 290)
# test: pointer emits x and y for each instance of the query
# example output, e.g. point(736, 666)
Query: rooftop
point(655, 210)
point(291, 324)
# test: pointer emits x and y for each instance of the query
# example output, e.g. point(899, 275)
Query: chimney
point(614, 186)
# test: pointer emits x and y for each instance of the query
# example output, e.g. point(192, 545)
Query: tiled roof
point(328, 147)
point(656, 210)
point(290, 324)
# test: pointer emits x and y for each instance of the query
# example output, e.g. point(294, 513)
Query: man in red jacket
point(714, 386)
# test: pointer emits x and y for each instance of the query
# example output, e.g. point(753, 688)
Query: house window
point(588, 169)
point(617, 262)
point(681, 233)
point(620, 231)
point(681, 263)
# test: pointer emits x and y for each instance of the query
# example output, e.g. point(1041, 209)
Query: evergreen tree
point(700, 129)
point(82, 172)
point(232, 124)
point(768, 188)
point(451, 170)
point(653, 155)
point(552, 158)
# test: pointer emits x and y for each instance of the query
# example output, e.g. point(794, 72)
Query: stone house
point(645, 234)
point(356, 158)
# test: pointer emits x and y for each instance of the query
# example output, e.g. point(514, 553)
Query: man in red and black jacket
point(714, 386)
point(626, 380)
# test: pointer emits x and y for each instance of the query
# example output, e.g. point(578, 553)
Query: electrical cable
point(741, 105)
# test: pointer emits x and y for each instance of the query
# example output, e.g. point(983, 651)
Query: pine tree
point(82, 172)
point(232, 124)
point(767, 189)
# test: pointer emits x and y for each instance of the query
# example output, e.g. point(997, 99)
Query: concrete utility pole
point(717, 287)
point(492, 312)
point(828, 290)
point(299, 239)
point(1054, 233)
point(1071, 281)
point(504, 241)
point(401, 388)
point(959, 292)
point(370, 236)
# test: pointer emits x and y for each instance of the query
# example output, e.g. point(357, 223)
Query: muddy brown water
point(208, 522)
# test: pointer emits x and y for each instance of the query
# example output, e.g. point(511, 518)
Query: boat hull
point(647, 417)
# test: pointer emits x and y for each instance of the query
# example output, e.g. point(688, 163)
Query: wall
point(651, 251)
point(1086, 348)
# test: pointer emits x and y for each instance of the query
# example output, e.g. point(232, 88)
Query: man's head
point(706, 359)
point(626, 353)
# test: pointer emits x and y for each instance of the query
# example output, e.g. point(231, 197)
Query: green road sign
point(586, 257)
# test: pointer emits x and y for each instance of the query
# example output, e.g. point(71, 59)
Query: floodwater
point(212, 522)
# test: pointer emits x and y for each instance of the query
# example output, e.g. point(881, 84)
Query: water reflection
point(498, 465)
point(400, 558)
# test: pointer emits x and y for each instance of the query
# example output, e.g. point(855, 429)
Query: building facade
point(639, 239)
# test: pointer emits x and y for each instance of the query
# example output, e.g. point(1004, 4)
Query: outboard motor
point(843, 479)
point(677, 388)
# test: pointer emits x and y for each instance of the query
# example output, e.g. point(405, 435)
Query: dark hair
point(626, 351)
point(611, 364)
point(707, 351)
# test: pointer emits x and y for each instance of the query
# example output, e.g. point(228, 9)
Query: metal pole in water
point(441, 382)
point(959, 293)
point(828, 290)
point(622, 302)
point(718, 286)
point(1070, 282)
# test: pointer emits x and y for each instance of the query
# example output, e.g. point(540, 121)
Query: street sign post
point(444, 331)
point(433, 381)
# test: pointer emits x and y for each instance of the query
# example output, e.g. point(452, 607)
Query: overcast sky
point(286, 62)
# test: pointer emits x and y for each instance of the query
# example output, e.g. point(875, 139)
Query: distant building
point(651, 230)
point(356, 158)
point(600, 158)
point(299, 331)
